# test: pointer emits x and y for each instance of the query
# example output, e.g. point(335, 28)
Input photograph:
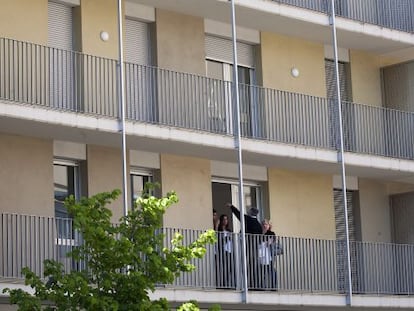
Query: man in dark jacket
point(253, 228)
point(252, 223)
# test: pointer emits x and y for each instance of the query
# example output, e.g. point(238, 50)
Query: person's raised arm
point(234, 210)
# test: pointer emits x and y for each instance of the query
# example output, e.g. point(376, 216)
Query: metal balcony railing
point(71, 81)
point(274, 263)
point(393, 14)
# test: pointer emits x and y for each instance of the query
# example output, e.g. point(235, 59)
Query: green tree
point(124, 261)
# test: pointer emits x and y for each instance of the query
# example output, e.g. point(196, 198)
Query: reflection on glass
point(138, 182)
point(64, 186)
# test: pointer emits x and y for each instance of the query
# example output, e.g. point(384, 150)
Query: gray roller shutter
point(341, 255)
point(398, 86)
point(136, 42)
point(398, 94)
point(402, 208)
point(221, 49)
point(61, 63)
point(60, 26)
point(340, 215)
point(344, 77)
point(348, 114)
point(139, 77)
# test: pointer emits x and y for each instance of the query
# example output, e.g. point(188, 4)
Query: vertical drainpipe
point(122, 105)
point(238, 146)
point(341, 153)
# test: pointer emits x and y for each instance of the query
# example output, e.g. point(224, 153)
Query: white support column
point(238, 146)
point(341, 158)
point(121, 94)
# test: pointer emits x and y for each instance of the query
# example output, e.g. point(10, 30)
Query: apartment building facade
point(61, 134)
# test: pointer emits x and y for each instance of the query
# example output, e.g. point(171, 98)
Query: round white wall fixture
point(104, 36)
point(295, 72)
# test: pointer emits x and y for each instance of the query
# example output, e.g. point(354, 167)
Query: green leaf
point(124, 262)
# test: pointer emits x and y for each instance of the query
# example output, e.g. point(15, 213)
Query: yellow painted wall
point(96, 16)
point(375, 211)
point(105, 174)
point(396, 188)
point(301, 204)
point(26, 170)
point(280, 53)
point(190, 178)
point(366, 76)
point(180, 42)
point(24, 20)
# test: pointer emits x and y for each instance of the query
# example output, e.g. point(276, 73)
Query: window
point(139, 177)
point(66, 183)
point(228, 191)
point(219, 60)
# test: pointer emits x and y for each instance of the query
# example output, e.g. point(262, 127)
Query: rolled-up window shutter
point(344, 78)
point(136, 42)
point(221, 49)
point(60, 26)
point(340, 215)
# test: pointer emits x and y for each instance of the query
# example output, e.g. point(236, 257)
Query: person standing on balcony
point(216, 220)
point(224, 255)
point(253, 226)
point(268, 243)
point(253, 229)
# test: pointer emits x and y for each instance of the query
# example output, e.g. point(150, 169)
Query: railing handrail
point(186, 229)
point(156, 68)
point(275, 262)
point(192, 101)
point(363, 13)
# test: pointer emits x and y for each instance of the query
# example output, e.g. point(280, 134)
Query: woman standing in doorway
point(225, 251)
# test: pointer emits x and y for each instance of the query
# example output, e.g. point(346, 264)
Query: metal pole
point(238, 146)
point(122, 104)
point(341, 153)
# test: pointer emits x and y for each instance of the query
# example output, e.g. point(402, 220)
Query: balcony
point(307, 266)
point(393, 14)
point(73, 82)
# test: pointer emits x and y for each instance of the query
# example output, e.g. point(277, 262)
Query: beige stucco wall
point(301, 204)
point(366, 78)
point(26, 170)
point(279, 54)
point(96, 16)
point(105, 174)
point(396, 188)
point(24, 20)
point(374, 211)
point(190, 178)
point(180, 42)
